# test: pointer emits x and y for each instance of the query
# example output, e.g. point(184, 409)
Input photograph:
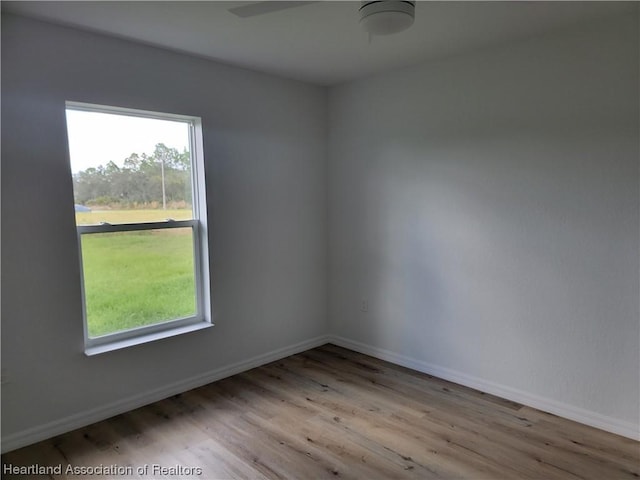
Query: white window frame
point(169, 328)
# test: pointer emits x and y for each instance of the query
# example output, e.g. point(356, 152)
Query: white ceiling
point(320, 42)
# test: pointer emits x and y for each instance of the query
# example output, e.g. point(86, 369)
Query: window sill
point(146, 338)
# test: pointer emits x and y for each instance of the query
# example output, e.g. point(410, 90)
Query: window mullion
point(132, 227)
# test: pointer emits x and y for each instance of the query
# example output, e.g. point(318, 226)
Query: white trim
point(81, 419)
point(150, 336)
point(130, 112)
point(58, 427)
point(565, 410)
point(201, 231)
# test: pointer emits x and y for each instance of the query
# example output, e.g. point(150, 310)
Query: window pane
point(129, 169)
point(138, 278)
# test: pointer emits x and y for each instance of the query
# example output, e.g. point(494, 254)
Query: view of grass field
point(133, 279)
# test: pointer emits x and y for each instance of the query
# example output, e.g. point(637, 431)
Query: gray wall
point(265, 141)
point(486, 207)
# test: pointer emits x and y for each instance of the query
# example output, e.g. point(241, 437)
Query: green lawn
point(134, 279)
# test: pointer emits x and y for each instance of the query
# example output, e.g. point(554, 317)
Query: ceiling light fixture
point(387, 16)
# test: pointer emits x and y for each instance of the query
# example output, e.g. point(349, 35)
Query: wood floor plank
point(470, 434)
point(333, 413)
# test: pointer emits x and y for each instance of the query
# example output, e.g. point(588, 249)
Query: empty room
point(326, 239)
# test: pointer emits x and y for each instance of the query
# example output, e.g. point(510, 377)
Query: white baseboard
point(587, 417)
point(58, 427)
point(82, 419)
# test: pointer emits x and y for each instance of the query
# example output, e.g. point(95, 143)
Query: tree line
point(162, 178)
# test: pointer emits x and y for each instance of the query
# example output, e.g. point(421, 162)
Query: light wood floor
point(329, 413)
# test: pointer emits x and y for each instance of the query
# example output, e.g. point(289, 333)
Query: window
point(140, 207)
